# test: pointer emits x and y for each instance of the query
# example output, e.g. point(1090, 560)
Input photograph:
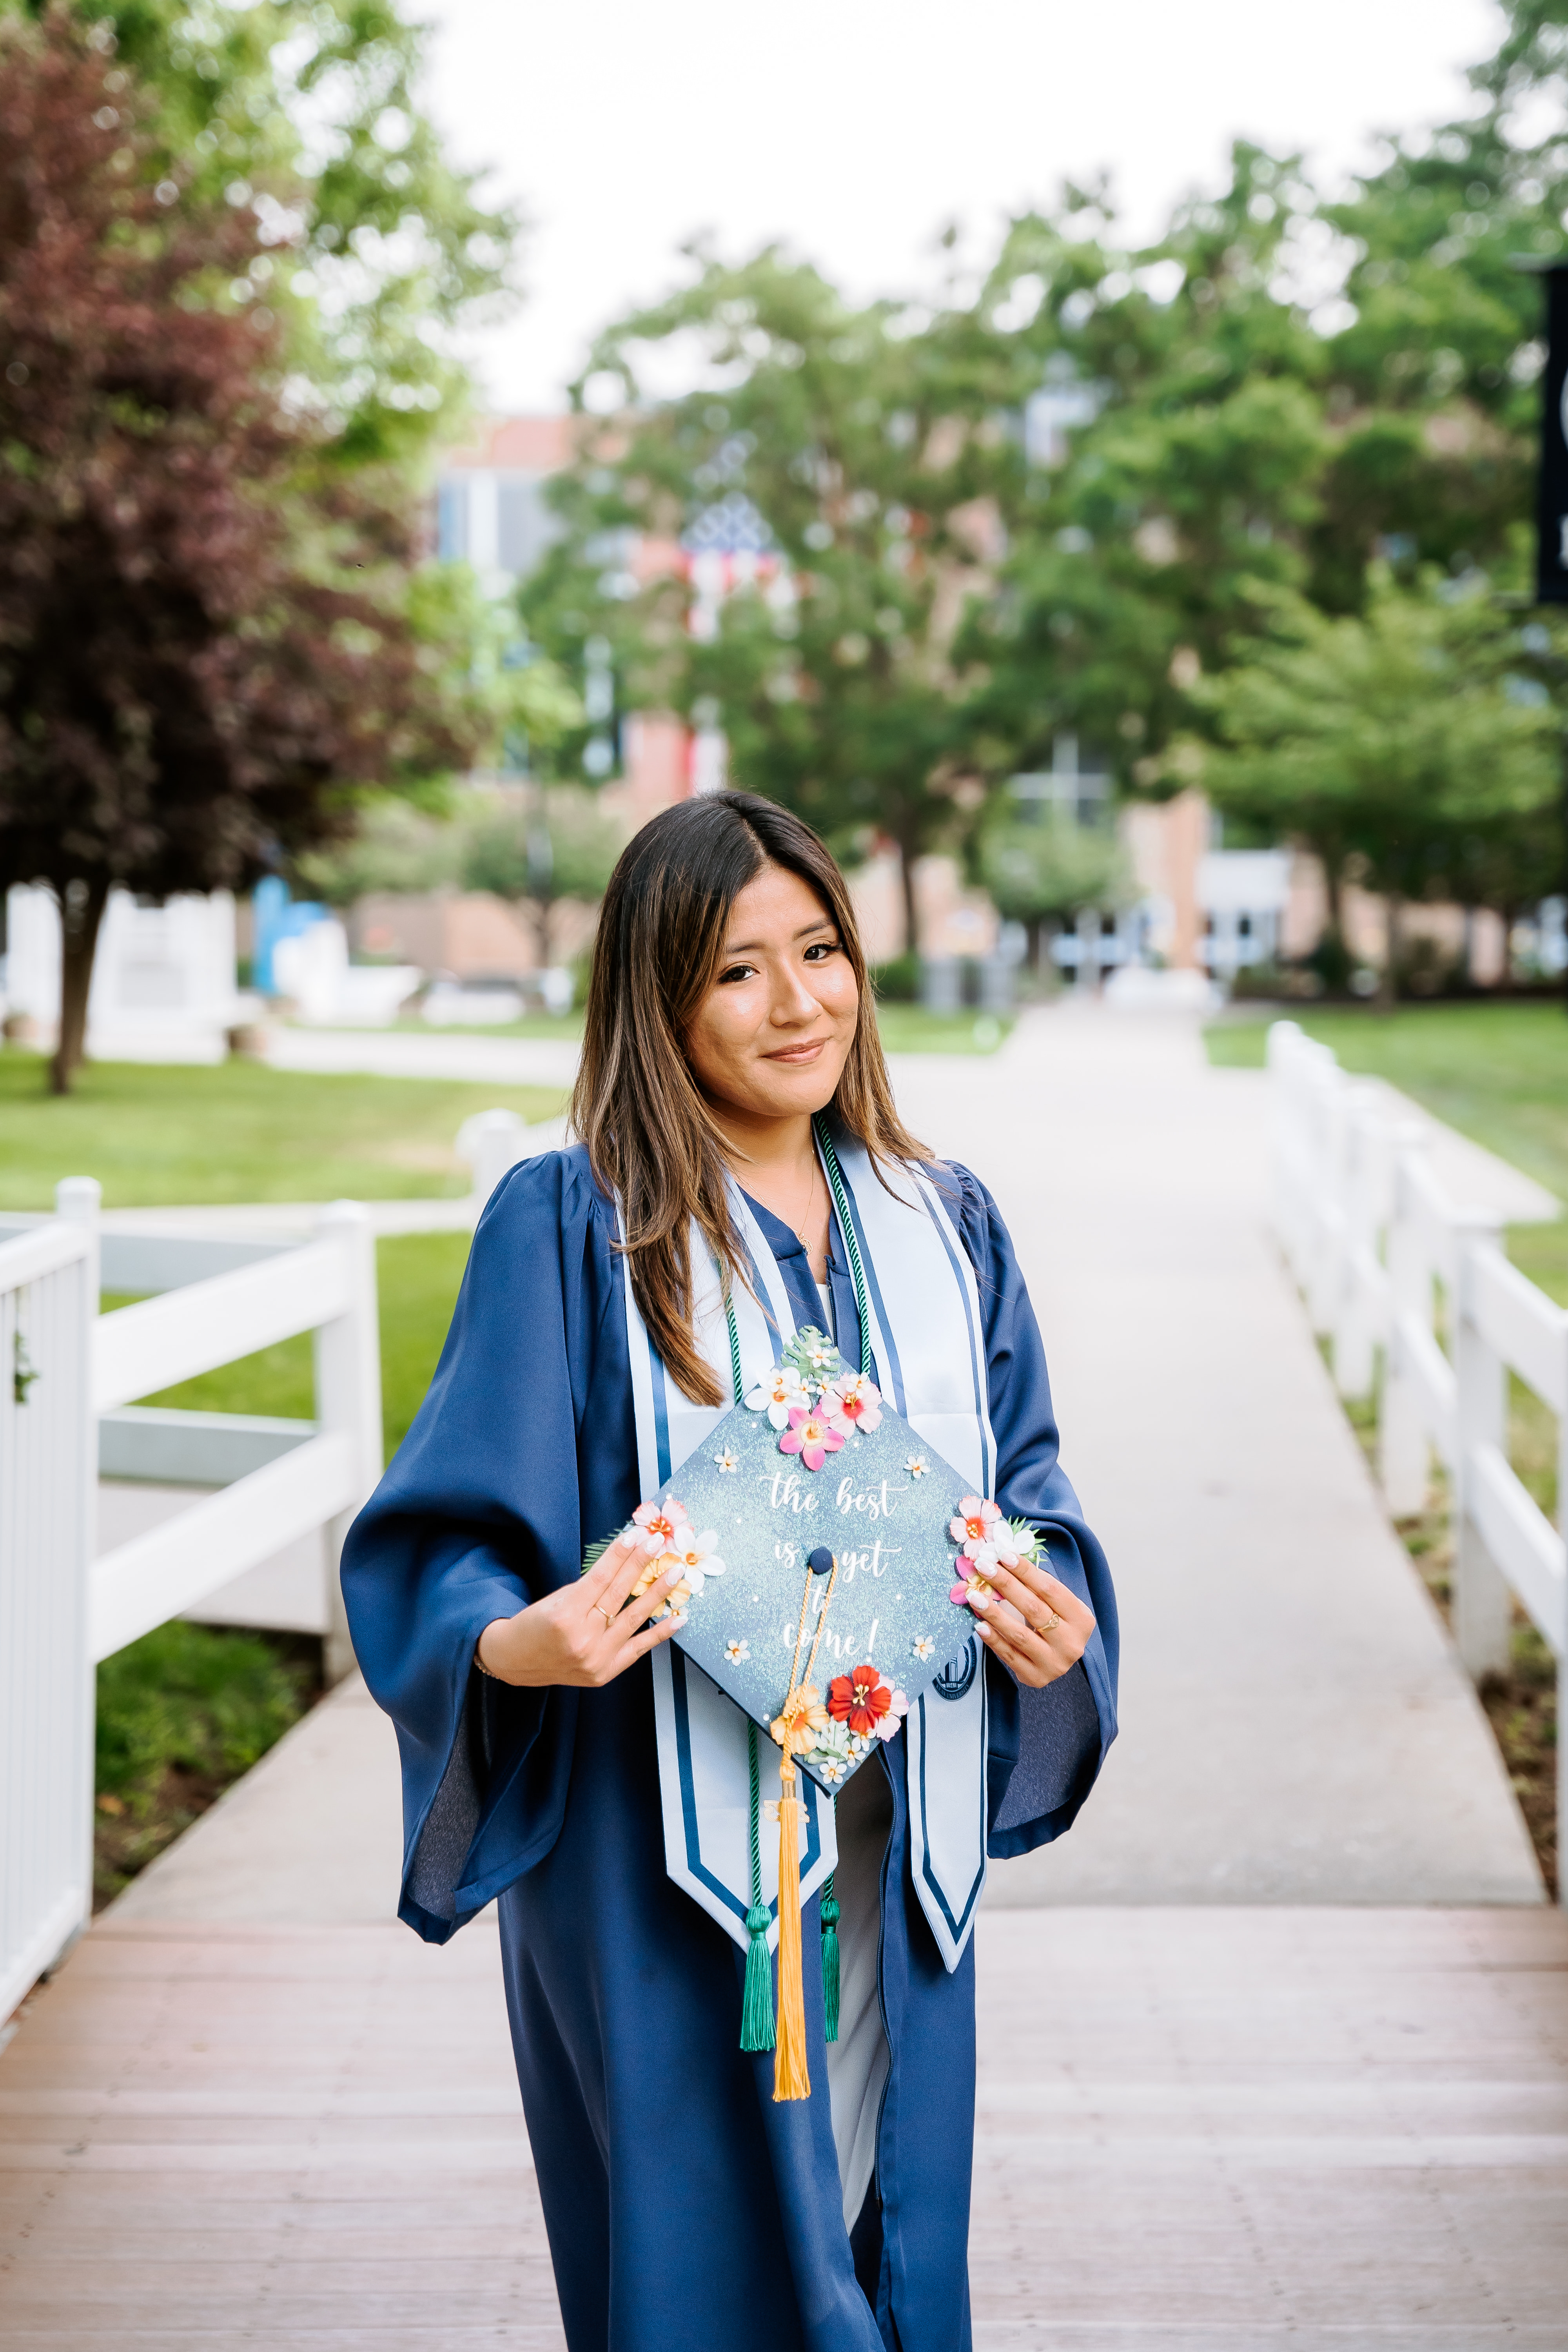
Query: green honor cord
point(757, 2003)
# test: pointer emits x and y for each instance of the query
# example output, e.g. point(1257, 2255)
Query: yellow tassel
point(791, 2080)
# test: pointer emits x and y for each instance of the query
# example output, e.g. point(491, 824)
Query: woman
point(740, 1146)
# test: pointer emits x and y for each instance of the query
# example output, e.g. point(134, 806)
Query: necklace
point(810, 1198)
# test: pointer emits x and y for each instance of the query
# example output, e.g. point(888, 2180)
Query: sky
point(855, 131)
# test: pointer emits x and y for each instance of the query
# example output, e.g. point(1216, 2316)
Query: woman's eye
point(737, 972)
point(820, 948)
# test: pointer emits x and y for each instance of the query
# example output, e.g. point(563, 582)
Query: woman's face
point(772, 1034)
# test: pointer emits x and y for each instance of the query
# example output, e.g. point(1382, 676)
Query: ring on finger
point(609, 1620)
point(1052, 1621)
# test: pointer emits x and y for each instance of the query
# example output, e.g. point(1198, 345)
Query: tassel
point(791, 2080)
point(830, 1961)
point(757, 2001)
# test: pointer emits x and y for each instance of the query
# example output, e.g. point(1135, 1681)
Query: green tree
point(206, 647)
point(1178, 442)
point(1407, 747)
point(370, 248)
point(859, 462)
point(563, 844)
point(1044, 873)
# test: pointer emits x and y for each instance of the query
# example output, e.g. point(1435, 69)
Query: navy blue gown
point(683, 2206)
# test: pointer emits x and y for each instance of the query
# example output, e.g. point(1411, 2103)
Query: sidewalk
point(1296, 1729)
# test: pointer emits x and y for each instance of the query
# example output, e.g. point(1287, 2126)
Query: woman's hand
point(589, 1632)
point(1035, 1625)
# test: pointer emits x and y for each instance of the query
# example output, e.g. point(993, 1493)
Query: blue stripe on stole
point(694, 1862)
point(981, 1415)
point(660, 1413)
point(872, 1286)
point(956, 1926)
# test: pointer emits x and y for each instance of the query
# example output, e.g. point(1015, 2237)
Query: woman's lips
point(807, 1053)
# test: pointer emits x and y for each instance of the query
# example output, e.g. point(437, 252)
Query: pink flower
point(974, 1520)
point(973, 1585)
point(853, 1403)
point(662, 1524)
point(811, 1437)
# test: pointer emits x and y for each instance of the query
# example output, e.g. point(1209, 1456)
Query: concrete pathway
point(1273, 2049)
point(1296, 1727)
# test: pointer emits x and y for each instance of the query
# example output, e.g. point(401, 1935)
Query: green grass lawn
point(155, 1133)
point(1499, 1073)
point(909, 1029)
point(417, 1277)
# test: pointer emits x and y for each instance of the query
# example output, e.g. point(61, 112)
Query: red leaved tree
point(204, 649)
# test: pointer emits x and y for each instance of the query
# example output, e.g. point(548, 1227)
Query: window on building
point(452, 522)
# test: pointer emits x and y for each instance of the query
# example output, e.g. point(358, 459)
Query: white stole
point(928, 1343)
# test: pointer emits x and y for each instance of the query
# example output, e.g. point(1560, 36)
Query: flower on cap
point(924, 1647)
point(974, 1522)
point(853, 1403)
point(917, 1466)
point(737, 1652)
point(726, 1460)
point(697, 1556)
point(661, 1523)
point(811, 1437)
point(782, 1389)
point(866, 1703)
point(799, 1720)
point(972, 1585)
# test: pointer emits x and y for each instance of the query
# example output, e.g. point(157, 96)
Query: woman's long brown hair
point(652, 1140)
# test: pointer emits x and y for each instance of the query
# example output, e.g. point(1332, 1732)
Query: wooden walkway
point(1197, 2129)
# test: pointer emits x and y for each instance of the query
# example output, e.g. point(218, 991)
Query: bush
point(898, 981)
point(181, 1714)
point(196, 1699)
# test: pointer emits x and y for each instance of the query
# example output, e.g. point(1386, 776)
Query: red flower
point(858, 1698)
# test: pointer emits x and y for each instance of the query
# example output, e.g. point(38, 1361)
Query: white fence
point(69, 1375)
point(1389, 1263)
point(211, 1285)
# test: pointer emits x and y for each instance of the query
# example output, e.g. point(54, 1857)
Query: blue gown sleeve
point(1046, 1746)
point(480, 1512)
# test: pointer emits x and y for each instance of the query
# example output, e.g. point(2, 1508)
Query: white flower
point(696, 1558)
point(726, 1460)
point(917, 1466)
point(782, 1389)
point(830, 1766)
point(888, 1724)
point(737, 1652)
point(1016, 1540)
point(924, 1647)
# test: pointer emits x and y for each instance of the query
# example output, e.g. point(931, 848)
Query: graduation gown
point(683, 2206)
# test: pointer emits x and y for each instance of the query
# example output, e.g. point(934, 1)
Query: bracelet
point(484, 1669)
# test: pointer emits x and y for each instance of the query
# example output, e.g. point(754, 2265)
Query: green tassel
point(830, 1962)
point(757, 2029)
point(757, 2005)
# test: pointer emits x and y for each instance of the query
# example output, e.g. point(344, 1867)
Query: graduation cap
point(827, 1557)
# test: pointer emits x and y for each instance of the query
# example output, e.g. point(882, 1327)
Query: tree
point(204, 646)
point(851, 476)
point(1049, 871)
point(1407, 748)
point(1177, 443)
point(562, 844)
point(368, 248)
